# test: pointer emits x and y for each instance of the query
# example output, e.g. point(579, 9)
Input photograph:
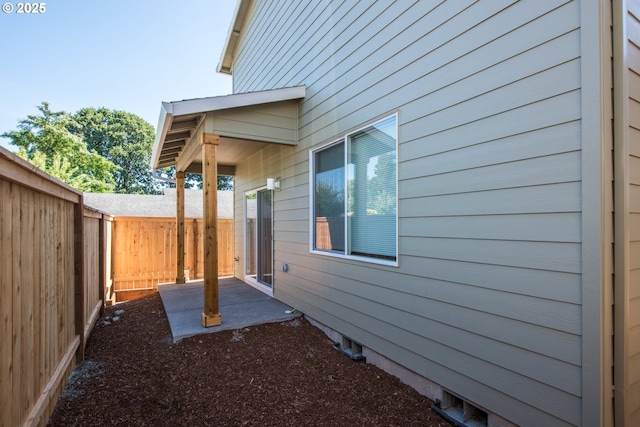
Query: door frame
point(250, 279)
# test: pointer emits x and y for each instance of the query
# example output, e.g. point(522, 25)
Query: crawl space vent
point(351, 349)
point(459, 412)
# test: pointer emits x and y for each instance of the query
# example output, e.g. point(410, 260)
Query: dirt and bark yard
point(279, 374)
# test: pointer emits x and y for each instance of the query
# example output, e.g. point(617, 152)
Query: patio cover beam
point(190, 151)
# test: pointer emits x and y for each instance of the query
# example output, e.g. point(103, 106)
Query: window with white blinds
point(355, 194)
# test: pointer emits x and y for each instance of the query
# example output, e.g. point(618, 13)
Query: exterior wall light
point(273, 184)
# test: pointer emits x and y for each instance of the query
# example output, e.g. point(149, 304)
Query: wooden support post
point(180, 227)
point(194, 249)
point(211, 315)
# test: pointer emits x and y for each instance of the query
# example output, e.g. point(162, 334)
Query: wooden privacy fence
point(52, 275)
point(144, 253)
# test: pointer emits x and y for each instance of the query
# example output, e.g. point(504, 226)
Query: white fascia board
point(164, 123)
point(225, 64)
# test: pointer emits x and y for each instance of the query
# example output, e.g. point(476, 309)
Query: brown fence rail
point(144, 253)
point(50, 297)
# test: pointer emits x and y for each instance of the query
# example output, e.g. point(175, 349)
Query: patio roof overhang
point(244, 123)
point(210, 136)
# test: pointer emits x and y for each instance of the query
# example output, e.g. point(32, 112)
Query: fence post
point(102, 261)
point(78, 260)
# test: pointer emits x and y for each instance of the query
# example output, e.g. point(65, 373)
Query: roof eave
point(164, 123)
point(225, 66)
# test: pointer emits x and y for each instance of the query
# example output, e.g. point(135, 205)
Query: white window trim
point(343, 139)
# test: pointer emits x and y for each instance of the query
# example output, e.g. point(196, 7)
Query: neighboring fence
point(329, 233)
point(144, 253)
point(51, 270)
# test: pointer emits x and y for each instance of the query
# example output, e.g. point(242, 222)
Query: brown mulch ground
point(279, 374)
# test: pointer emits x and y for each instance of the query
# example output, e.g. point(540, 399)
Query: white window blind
point(371, 190)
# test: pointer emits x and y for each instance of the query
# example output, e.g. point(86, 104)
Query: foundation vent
point(459, 412)
point(351, 349)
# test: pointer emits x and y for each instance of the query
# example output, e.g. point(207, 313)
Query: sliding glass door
point(259, 238)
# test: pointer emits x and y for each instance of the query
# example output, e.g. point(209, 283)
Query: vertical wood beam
point(194, 249)
point(211, 315)
point(180, 227)
point(114, 244)
point(78, 267)
point(102, 261)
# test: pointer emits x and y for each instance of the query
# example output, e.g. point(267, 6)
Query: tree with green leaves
point(45, 141)
point(122, 138)
point(127, 140)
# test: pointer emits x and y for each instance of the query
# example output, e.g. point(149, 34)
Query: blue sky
point(124, 55)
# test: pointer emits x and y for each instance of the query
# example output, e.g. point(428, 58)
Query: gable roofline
point(200, 106)
point(225, 66)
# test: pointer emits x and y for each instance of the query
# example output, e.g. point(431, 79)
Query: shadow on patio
point(240, 306)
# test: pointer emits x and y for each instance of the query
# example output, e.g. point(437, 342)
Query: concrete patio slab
point(240, 306)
